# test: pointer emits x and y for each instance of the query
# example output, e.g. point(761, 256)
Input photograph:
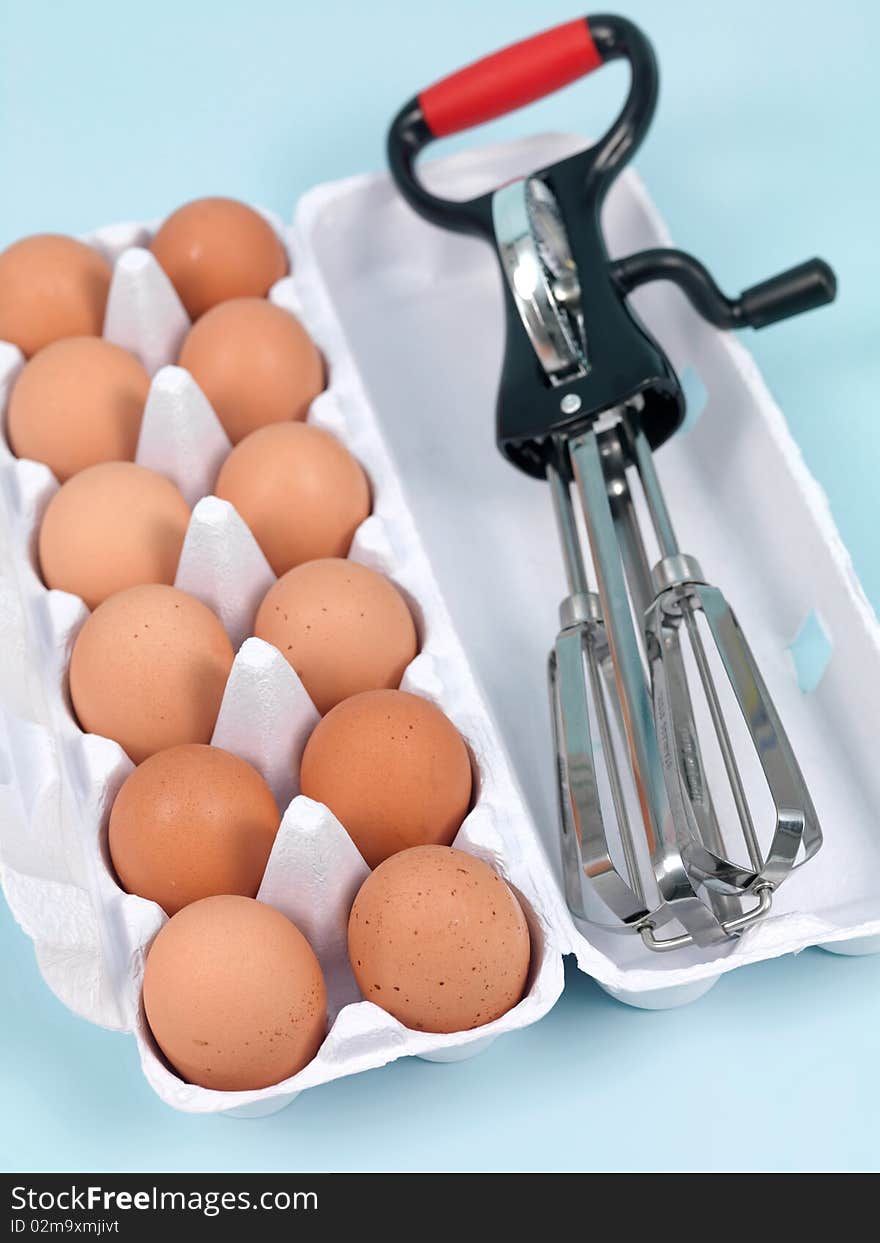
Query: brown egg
point(51, 286)
point(255, 363)
point(149, 668)
point(76, 403)
point(438, 939)
point(234, 995)
point(190, 822)
point(299, 490)
point(112, 526)
point(342, 627)
point(214, 249)
point(393, 770)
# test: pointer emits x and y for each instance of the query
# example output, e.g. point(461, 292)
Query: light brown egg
point(189, 822)
point(149, 668)
point(393, 769)
point(51, 287)
point(439, 940)
point(299, 490)
point(112, 526)
point(255, 363)
point(214, 249)
point(234, 995)
point(76, 403)
point(342, 627)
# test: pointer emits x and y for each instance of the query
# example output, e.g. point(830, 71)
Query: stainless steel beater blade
point(577, 666)
point(681, 594)
point(796, 827)
point(698, 812)
point(665, 830)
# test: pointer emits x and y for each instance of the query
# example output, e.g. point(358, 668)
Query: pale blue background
point(764, 152)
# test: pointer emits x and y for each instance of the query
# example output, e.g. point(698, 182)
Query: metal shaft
point(654, 498)
point(575, 571)
point(626, 522)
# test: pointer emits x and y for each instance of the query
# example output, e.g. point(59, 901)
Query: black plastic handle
point(510, 79)
point(621, 363)
point(805, 287)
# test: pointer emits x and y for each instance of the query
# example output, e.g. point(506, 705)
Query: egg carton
point(57, 784)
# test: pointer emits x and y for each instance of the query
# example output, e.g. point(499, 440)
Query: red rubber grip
point(510, 79)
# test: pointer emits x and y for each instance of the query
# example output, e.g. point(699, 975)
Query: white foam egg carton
point(409, 319)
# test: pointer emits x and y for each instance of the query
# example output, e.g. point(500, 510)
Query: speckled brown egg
point(299, 490)
point(213, 249)
point(234, 995)
point(112, 526)
point(342, 627)
point(149, 668)
point(439, 940)
point(51, 287)
point(255, 363)
point(393, 769)
point(76, 403)
point(189, 822)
